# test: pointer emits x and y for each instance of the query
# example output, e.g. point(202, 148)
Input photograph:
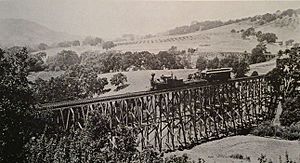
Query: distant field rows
point(162, 40)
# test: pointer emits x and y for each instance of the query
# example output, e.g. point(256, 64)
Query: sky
point(112, 18)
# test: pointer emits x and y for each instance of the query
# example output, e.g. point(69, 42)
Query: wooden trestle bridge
point(179, 117)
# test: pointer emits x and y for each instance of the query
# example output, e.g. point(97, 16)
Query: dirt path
point(277, 116)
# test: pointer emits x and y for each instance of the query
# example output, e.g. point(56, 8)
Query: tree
point(112, 62)
point(288, 12)
point(191, 50)
point(151, 61)
point(257, 54)
point(93, 41)
point(280, 53)
point(248, 32)
point(268, 37)
point(185, 61)
point(213, 64)
point(233, 31)
point(289, 42)
point(78, 82)
point(43, 46)
point(36, 62)
point(88, 80)
point(16, 105)
point(284, 81)
point(201, 63)
point(229, 61)
point(240, 68)
point(296, 45)
point(76, 43)
point(239, 65)
point(64, 44)
point(268, 17)
point(167, 60)
point(258, 34)
point(63, 60)
point(254, 73)
point(108, 45)
point(118, 80)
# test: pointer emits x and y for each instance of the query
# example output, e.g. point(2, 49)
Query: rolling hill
point(220, 39)
point(217, 39)
point(23, 32)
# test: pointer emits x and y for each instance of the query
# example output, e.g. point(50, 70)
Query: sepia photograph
point(149, 81)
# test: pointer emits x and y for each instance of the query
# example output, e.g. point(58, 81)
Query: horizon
point(111, 19)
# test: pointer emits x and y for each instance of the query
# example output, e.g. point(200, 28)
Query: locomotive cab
point(165, 82)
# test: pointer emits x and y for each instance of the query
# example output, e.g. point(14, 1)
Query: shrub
point(268, 129)
point(291, 111)
point(181, 159)
point(118, 79)
point(264, 129)
point(92, 144)
point(240, 156)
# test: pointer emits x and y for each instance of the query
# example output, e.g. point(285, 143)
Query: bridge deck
point(74, 103)
point(179, 117)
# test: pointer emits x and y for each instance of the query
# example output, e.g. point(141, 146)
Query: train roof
point(214, 71)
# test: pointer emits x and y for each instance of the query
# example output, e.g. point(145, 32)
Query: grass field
point(219, 151)
point(140, 80)
point(216, 40)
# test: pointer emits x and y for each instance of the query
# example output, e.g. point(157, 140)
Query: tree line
point(239, 65)
point(260, 36)
point(117, 61)
point(206, 25)
point(89, 40)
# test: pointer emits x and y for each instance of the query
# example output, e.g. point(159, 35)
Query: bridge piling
point(177, 117)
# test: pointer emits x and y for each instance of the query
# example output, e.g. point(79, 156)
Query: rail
point(75, 103)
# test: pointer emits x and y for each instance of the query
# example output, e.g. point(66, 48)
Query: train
point(199, 78)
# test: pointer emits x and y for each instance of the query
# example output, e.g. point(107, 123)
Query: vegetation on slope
point(206, 25)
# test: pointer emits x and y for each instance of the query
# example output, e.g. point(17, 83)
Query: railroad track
point(77, 103)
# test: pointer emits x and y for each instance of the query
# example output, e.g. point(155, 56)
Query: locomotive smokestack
point(152, 76)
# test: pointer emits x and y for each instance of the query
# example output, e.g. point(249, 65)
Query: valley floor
point(140, 80)
point(219, 151)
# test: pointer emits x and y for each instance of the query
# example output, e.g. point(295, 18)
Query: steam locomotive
point(198, 78)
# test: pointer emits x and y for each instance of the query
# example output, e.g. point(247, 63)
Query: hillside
point(220, 39)
point(251, 146)
point(23, 32)
point(216, 39)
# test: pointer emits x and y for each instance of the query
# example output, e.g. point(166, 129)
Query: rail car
point(198, 78)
